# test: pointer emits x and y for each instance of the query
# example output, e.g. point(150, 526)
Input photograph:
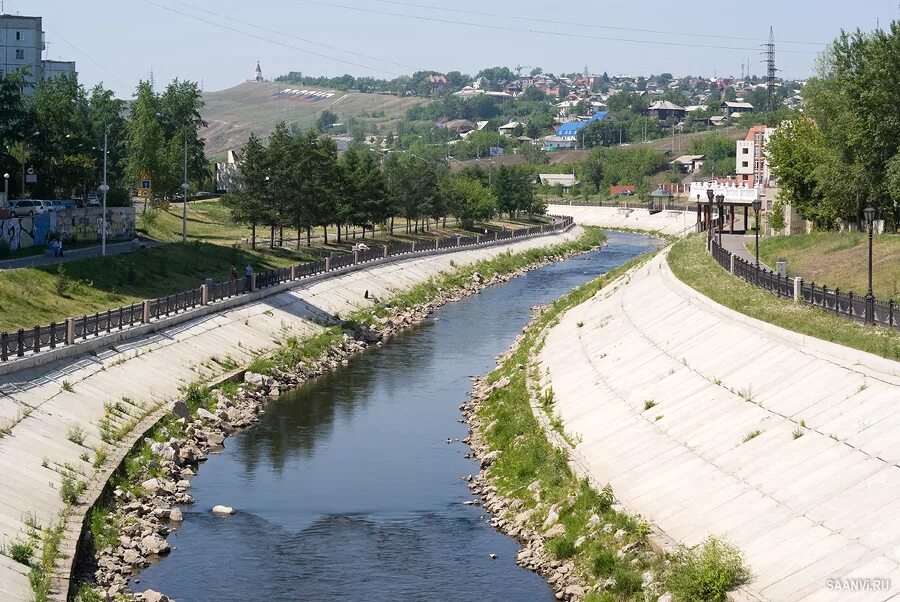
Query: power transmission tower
point(769, 53)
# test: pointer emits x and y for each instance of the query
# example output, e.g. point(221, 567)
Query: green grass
point(838, 260)
point(690, 263)
point(527, 456)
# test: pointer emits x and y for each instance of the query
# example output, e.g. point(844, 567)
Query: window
point(744, 164)
point(18, 35)
point(746, 150)
point(20, 53)
point(746, 177)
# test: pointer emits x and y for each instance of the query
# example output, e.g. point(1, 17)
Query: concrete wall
point(814, 496)
point(73, 225)
point(673, 223)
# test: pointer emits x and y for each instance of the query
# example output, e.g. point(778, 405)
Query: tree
point(600, 133)
point(513, 189)
point(248, 203)
point(592, 169)
point(468, 200)
point(144, 136)
point(326, 120)
point(363, 199)
point(14, 120)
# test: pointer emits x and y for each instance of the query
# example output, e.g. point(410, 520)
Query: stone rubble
point(149, 516)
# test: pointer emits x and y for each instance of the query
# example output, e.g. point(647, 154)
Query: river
point(347, 488)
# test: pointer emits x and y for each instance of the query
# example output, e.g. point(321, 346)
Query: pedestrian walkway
point(740, 246)
point(34, 261)
point(708, 422)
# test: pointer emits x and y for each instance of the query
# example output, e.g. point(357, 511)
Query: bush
point(76, 434)
point(708, 571)
point(21, 552)
point(562, 547)
point(70, 489)
point(63, 282)
point(603, 563)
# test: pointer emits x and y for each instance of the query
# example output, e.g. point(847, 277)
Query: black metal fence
point(73, 330)
point(848, 305)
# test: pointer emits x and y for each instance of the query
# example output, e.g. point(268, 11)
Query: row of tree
point(842, 153)
point(299, 182)
point(57, 127)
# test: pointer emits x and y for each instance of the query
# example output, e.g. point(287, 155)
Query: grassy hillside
point(233, 113)
point(839, 259)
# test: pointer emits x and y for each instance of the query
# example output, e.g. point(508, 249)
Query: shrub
point(603, 562)
point(21, 552)
point(63, 282)
point(70, 489)
point(76, 434)
point(562, 547)
point(708, 571)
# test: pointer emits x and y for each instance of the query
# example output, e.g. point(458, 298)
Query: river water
point(347, 488)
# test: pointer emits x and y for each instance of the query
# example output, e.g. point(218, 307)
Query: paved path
point(71, 255)
point(741, 246)
point(803, 509)
point(673, 223)
point(151, 369)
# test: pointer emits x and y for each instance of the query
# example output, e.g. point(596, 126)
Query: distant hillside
point(257, 106)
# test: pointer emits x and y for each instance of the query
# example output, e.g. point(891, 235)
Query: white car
point(93, 201)
point(360, 247)
point(26, 208)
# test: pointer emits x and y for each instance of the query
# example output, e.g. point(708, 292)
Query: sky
point(218, 43)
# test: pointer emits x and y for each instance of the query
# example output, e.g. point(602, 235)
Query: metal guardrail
point(73, 330)
point(848, 305)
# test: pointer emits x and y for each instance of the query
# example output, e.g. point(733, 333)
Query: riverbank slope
point(708, 422)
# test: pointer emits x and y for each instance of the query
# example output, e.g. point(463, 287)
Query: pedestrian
point(52, 247)
point(59, 247)
point(233, 273)
point(248, 277)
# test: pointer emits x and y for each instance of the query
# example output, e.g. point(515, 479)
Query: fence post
point(70, 331)
point(437, 242)
point(385, 251)
point(328, 264)
point(37, 339)
point(798, 288)
point(478, 239)
point(731, 258)
point(457, 240)
point(204, 295)
point(145, 313)
point(252, 282)
point(355, 257)
point(413, 249)
point(293, 272)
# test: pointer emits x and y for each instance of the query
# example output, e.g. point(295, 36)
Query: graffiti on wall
point(75, 225)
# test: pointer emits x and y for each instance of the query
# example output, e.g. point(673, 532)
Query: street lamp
point(756, 206)
point(6, 190)
point(710, 194)
point(184, 187)
point(104, 188)
point(720, 201)
point(870, 297)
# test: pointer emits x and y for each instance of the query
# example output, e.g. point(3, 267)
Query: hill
point(257, 106)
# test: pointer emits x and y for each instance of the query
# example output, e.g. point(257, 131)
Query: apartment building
point(22, 43)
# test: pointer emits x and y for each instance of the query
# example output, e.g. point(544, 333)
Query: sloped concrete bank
point(185, 436)
point(74, 418)
point(709, 422)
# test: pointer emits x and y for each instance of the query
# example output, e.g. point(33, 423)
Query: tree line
point(56, 127)
point(299, 182)
point(842, 153)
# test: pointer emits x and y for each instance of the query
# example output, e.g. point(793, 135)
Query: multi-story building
point(22, 43)
point(751, 166)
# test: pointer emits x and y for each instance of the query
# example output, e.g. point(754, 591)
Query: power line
point(535, 31)
point(269, 40)
point(298, 38)
point(585, 25)
point(86, 55)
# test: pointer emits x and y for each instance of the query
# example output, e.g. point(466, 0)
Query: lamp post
point(870, 297)
point(756, 206)
point(25, 159)
point(720, 201)
point(710, 194)
point(104, 188)
point(6, 190)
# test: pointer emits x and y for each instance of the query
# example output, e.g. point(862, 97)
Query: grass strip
point(691, 264)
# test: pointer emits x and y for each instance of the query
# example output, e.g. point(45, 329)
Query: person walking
point(248, 277)
point(233, 273)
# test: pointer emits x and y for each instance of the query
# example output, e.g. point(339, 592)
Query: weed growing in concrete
point(752, 435)
point(84, 457)
point(707, 571)
point(76, 434)
point(580, 324)
point(45, 462)
point(71, 487)
point(797, 433)
point(659, 417)
point(21, 552)
point(649, 404)
point(99, 457)
point(67, 386)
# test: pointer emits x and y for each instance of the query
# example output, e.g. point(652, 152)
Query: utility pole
point(771, 71)
point(104, 188)
point(184, 187)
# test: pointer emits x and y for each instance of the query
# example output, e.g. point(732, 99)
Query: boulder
point(151, 486)
point(666, 597)
point(257, 380)
point(167, 451)
point(556, 530)
point(490, 458)
point(206, 415)
point(574, 591)
point(181, 410)
point(131, 557)
point(153, 596)
point(224, 510)
point(154, 544)
point(175, 515)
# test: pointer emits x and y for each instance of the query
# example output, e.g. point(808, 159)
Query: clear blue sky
point(120, 41)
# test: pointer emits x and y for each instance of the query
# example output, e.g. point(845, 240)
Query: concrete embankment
point(59, 408)
point(672, 223)
point(711, 423)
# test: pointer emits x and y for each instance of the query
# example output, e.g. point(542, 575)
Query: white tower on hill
point(259, 76)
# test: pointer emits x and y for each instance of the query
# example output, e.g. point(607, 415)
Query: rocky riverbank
point(146, 509)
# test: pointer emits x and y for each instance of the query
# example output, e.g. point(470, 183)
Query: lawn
point(691, 264)
point(839, 260)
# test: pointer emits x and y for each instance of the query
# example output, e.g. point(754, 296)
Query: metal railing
point(848, 305)
point(73, 330)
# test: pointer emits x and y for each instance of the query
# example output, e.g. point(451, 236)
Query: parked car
point(70, 203)
point(626, 193)
point(93, 200)
point(26, 208)
point(55, 205)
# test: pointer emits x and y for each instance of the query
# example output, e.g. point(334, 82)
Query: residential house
point(569, 130)
point(554, 142)
point(227, 173)
point(459, 126)
point(510, 128)
point(438, 83)
point(688, 163)
point(751, 167)
point(663, 109)
point(736, 108)
point(566, 180)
